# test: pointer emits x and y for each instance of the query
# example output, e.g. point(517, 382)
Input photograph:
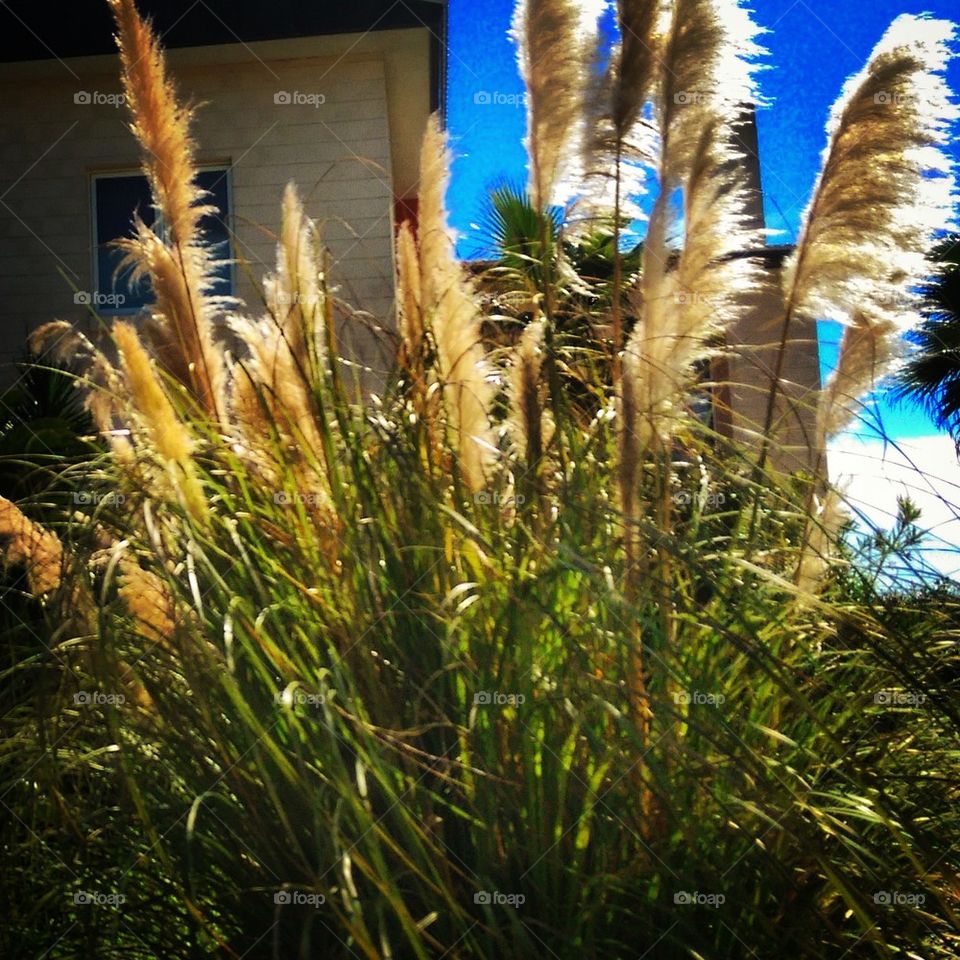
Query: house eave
point(85, 27)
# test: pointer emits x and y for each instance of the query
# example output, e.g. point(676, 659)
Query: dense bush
point(462, 669)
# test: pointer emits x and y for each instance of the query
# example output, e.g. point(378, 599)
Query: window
point(116, 198)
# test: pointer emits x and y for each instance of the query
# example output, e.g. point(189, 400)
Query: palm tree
point(931, 377)
point(581, 266)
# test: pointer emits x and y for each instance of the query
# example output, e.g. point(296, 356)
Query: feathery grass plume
point(452, 314)
point(271, 394)
point(288, 345)
point(182, 289)
point(167, 434)
point(884, 189)
point(294, 294)
point(705, 75)
point(614, 104)
point(286, 352)
point(98, 380)
point(828, 516)
point(632, 62)
point(149, 602)
point(867, 350)
point(706, 58)
point(526, 421)
point(27, 544)
point(705, 292)
point(409, 300)
point(181, 270)
point(555, 45)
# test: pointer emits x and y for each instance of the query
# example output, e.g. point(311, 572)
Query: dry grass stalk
point(409, 301)
point(149, 602)
point(884, 189)
point(286, 352)
point(867, 350)
point(452, 314)
point(180, 269)
point(527, 423)
point(167, 435)
point(98, 380)
point(29, 545)
point(555, 87)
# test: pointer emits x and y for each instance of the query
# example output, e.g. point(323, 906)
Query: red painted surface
point(405, 211)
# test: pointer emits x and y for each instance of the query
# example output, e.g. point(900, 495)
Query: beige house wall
point(351, 156)
point(754, 345)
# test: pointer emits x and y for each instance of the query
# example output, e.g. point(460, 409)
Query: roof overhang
point(85, 27)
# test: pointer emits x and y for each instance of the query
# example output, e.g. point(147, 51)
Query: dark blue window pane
point(117, 199)
point(214, 227)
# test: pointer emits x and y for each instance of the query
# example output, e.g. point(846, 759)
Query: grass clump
point(463, 669)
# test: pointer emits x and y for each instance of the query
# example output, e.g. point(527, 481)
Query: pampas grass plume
point(27, 544)
point(181, 271)
point(169, 436)
point(453, 315)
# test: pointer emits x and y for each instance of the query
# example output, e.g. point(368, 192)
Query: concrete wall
point(351, 157)
point(754, 344)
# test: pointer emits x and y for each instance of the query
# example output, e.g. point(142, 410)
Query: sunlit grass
point(318, 675)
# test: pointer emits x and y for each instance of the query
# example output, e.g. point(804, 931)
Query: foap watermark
point(285, 298)
point(96, 98)
point(898, 300)
point(695, 298)
point(898, 698)
point(896, 898)
point(887, 98)
point(284, 499)
point(94, 298)
point(685, 898)
point(686, 97)
point(91, 498)
point(494, 698)
point(712, 498)
point(697, 698)
point(488, 496)
point(494, 98)
point(494, 898)
point(89, 897)
point(299, 98)
point(94, 698)
point(298, 898)
point(298, 698)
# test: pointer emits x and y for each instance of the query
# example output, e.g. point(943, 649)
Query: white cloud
point(872, 474)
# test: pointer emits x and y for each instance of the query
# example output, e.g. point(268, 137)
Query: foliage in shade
point(931, 374)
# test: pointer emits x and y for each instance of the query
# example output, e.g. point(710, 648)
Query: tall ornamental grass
point(471, 665)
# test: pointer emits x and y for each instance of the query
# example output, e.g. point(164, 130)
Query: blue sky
point(814, 46)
